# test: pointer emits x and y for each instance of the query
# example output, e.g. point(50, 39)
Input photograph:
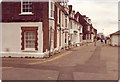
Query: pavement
point(87, 62)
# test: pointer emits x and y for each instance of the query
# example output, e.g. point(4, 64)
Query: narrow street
point(87, 62)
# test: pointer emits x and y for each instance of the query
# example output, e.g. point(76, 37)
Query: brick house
point(84, 24)
point(37, 29)
point(93, 33)
point(80, 27)
point(27, 28)
point(88, 31)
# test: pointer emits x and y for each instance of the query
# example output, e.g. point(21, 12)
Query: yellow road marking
point(49, 60)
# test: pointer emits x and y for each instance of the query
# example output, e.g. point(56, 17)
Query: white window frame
point(78, 19)
point(63, 20)
point(88, 28)
point(58, 11)
point(51, 9)
point(27, 48)
point(66, 21)
point(22, 12)
point(65, 3)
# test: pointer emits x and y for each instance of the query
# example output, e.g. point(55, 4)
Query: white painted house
point(75, 28)
point(115, 38)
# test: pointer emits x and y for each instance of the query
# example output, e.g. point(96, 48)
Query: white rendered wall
point(58, 37)
point(51, 36)
point(115, 40)
point(11, 37)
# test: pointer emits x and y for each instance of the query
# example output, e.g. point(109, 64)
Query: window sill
point(29, 50)
point(26, 13)
point(52, 18)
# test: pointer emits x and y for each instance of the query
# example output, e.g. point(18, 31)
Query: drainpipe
point(50, 41)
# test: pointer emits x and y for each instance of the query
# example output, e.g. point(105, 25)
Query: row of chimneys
point(84, 16)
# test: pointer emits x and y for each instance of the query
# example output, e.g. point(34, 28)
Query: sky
point(103, 13)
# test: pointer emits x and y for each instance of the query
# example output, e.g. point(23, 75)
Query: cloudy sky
point(103, 13)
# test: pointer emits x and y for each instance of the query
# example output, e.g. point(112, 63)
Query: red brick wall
point(55, 33)
point(11, 13)
point(46, 27)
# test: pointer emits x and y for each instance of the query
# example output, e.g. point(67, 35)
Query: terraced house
point(61, 25)
point(39, 29)
point(88, 31)
point(81, 28)
point(29, 28)
point(75, 27)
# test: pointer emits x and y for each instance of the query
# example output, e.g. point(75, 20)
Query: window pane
point(30, 39)
point(27, 6)
point(52, 9)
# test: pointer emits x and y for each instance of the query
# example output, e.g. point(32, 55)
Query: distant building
point(100, 35)
point(88, 31)
point(115, 38)
point(75, 28)
point(93, 33)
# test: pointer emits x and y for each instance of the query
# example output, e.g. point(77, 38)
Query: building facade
point(115, 38)
point(75, 28)
point(26, 28)
point(40, 29)
point(37, 27)
point(61, 26)
point(88, 31)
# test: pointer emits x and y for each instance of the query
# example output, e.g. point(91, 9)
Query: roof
point(116, 33)
point(62, 8)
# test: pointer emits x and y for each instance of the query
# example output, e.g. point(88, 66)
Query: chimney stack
point(70, 8)
point(74, 12)
point(89, 20)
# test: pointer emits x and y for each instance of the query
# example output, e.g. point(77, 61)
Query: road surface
point(87, 62)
